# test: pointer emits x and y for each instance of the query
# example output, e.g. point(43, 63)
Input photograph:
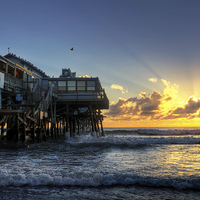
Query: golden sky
point(165, 109)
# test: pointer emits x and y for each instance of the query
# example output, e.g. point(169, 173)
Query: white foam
point(95, 180)
point(169, 131)
point(132, 140)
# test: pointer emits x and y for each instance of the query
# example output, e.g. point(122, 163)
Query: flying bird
point(72, 49)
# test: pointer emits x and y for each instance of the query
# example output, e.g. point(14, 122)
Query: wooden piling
point(17, 122)
point(47, 122)
point(45, 128)
point(71, 126)
point(91, 118)
point(57, 127)
point(24, 128)
point(102, 131)
point(55, 131)
point(78, 124)
point(33, 123)
point(40, 126)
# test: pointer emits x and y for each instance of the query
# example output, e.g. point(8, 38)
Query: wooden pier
point(34, 107)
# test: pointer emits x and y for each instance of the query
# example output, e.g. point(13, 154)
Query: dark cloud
point(168, 99)
point(191, 107)
point(171, 116)
point(147, 113)
point(116, 109)
point(146, 106)
point(151, 103)
point(187, 111)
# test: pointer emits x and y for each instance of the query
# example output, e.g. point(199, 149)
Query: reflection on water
point(157, 161)
point(89, 166)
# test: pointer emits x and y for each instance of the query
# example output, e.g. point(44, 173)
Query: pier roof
point(21, 60)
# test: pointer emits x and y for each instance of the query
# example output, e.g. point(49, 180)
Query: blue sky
point(123, 42)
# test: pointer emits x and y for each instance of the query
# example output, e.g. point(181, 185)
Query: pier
point(34, 106)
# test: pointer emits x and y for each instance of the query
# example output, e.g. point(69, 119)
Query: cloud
point(153, 106)
point(189, 110)
point(117, 109)
point(156, 109)
point(191, 107)
point(171, 90)
point(165, 106)
point(153, 80)
point(118, 87)
point(86, 76)
point(147, 106)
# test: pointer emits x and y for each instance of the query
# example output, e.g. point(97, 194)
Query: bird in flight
point(72, 49)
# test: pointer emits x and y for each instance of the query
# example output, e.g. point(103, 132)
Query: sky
point(145, 52)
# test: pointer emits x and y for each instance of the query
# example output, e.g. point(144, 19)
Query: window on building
point(19, 73)
point(11, 70)
point(71, 85)
point(2, 66)
point(81, 85)
point(90, 85)
point(61, 85)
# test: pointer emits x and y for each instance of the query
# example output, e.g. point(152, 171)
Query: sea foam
point(128, 140)
point(97, 180)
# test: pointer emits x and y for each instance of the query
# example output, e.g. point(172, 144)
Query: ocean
point(128, 163)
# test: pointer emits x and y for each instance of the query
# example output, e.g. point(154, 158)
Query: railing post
point(6, 67)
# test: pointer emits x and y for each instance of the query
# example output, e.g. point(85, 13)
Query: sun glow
point(165, 109)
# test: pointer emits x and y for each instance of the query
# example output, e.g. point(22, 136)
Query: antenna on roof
point(8, 49)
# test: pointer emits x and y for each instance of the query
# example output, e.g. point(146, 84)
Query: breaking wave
point(97, 180)
point(111, 140)
point(161, 131)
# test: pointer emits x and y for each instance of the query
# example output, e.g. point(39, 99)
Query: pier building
point(34, 106)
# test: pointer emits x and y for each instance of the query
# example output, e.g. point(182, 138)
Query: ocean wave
point(169, 132)
point(112, 140)
point(98, 180)
point(155, 131)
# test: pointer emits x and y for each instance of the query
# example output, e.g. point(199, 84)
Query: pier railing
point(93, 96)
point(14, 82)
point(32, 91)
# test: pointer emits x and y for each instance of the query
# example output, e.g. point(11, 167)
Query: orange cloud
point(153, 80)
point(118, 87)
point(86, 76)
point(189, 110)
point(155, 107)
point(144, 106)
point(171, 90)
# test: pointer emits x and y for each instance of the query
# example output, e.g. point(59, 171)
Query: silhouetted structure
point(35, 106)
